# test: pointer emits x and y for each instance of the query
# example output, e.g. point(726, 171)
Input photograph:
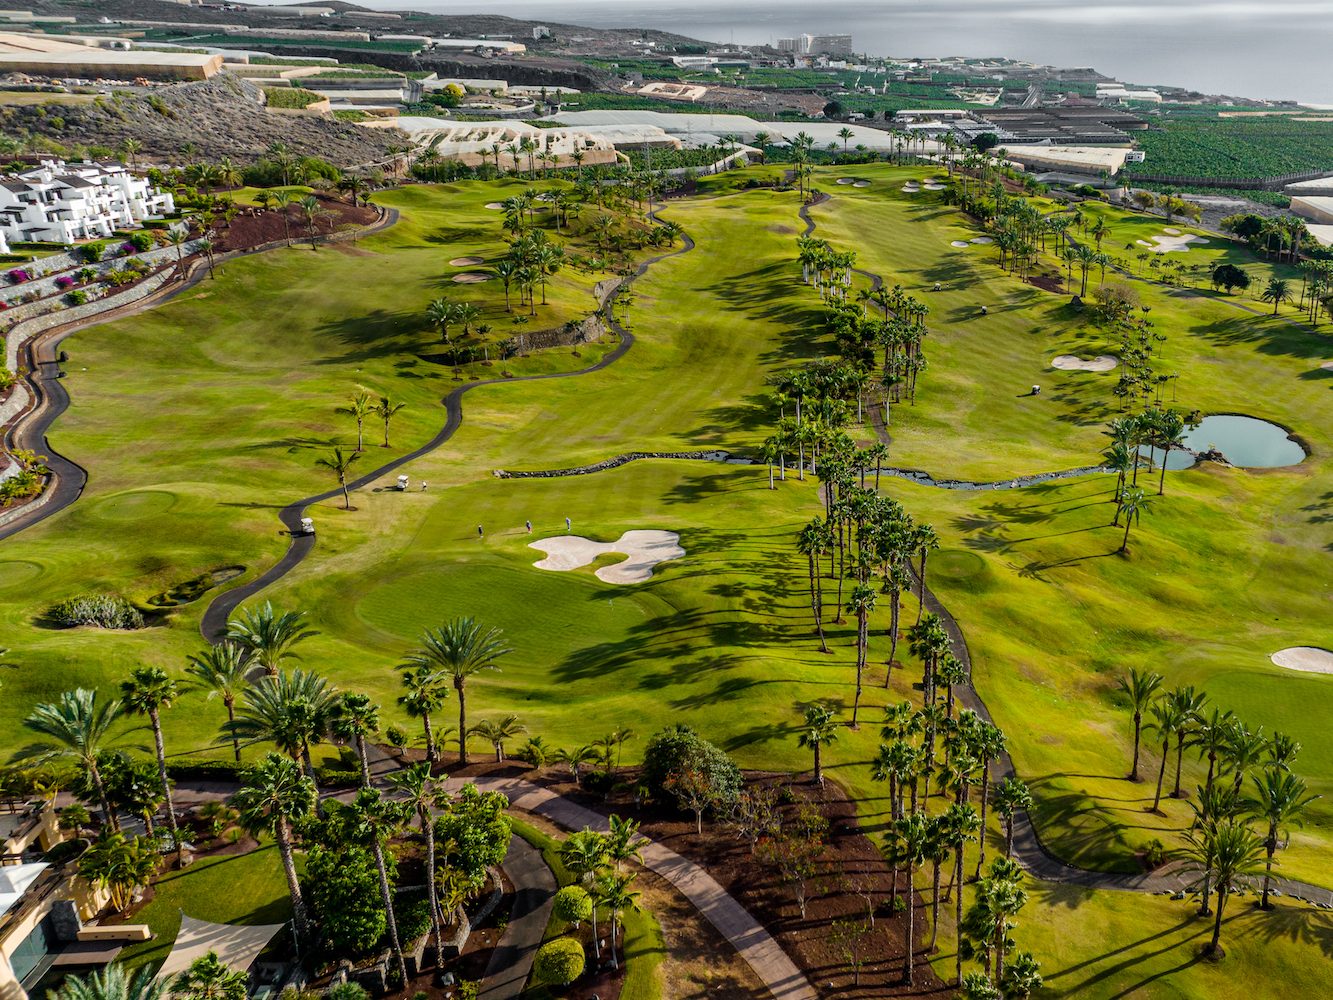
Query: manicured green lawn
point(239, 889)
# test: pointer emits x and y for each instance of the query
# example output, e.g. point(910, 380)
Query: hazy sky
point(1278, 49)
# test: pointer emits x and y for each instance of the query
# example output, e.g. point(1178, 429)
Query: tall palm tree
point(1133, 503)
point(938, 848)
point(77, 730)
point(1166, 719)
point(274, 794)
point(912, 837)
point(812, 543)
point(1279, 800)
point(292, 710)
point(1170, 433)
point(1231, 854)
point(373, 820)
point(457, 650)
point(420, 793)
point(1190, 710)
point(358, 720)
point(269, 635)
point(360, 407)
point(923, 540)
point(339, 463)
point(819, 731)
point(1244, 751)
point(961, 824)
point(861, 602)
point(148, 691)
point(221, 670)
point(613, 890)
point(283, 199)
point(132, 148)
point(1011, 798)
point(385, 410)
point(1212, 738)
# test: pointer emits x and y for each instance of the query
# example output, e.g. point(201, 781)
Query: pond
point(1247, 442)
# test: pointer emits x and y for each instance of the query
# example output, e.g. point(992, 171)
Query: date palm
point(911, 840)
point(457, 650)
point(1279, 800)
point(1142, 687)
point(818, 731)
point(385, 410)
point(358, 720)
point(1190, 706)
point(1166, 719)
point(339, 462)
point(292, 710)
point(148, 691)
point(220, 670)
point(427, 691)
point(1011, 798)
point(421, 794)
point(1133, 503)
point(274, 794)
point(373, 819)
point(77, 730)
point(861, 602)
point(360, 407)
point(961, 825)
point(1231, 854)
point(1212, 737)
point(1277, 291)
point(114, 982)
point(269, 635)
point(497, 733)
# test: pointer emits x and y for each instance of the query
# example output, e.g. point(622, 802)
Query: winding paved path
point(215, 618)
point(534, 898)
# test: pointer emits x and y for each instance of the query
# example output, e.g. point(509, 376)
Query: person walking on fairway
point(423, 485)
point(529, 524)
point(480, 533)
point(566, 524)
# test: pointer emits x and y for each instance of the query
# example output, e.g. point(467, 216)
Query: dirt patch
point(257, 226)
point(1047, 282)
point(782, 230)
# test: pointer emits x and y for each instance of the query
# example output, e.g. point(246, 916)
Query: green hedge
point(197, 769)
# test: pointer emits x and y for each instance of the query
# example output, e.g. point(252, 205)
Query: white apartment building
point(62, 202)
point(813, 45)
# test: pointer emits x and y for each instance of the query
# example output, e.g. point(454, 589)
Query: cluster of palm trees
point(361, 406)
point(933, 747)
point(531, 260)
point(820, 392)
point(829, 270)
point(1316, 289)
point(597, 860)
point(1224, 848)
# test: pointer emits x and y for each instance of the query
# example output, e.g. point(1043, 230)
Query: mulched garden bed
point(850, 854)
point(265, 226)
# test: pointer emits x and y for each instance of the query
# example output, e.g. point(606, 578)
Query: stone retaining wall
point(925, 479)
point(46, 286)
point(619, 460)
point(13, 514)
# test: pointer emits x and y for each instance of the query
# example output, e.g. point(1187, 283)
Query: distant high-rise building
point(789, 45)
point(829, 45)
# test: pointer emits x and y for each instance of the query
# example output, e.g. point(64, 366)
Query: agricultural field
point(1238, 148)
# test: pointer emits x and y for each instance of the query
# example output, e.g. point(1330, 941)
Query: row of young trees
point(1233, 836)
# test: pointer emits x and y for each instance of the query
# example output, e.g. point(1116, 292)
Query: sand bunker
point(1327, 366)
point(1307, 659)
point(960, 244)
point(495, 206)
point(471, 278)
point(1173, 242)
point(981, 239)
point(845, 180)
point(1073, 363)
point(466, 261)
point(1172, 232)
point(912, 187)
point(645, 550)
point(862, 184)
point(933, 186)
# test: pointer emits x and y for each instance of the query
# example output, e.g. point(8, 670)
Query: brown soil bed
point(260, 226)
point(850, 855)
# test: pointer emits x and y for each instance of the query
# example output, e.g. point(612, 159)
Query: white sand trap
point(862, 184)
point(960, 244)
point(1327, 366)
point(1307, 659)
point(495, 206)
point(466, 261)
point(981, 239)
point(471, 278)
point(1173, 244)
point(912, 187)
point(1073, 363)
point(1143, 243)
point(1172, 232)
point(932, 186)
point(645, 550)
point(846, 180)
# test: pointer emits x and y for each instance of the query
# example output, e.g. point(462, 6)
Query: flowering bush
point(128, 248)
point(64, 281)
point(18, 276)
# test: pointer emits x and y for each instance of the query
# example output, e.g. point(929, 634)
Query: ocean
point(1270, 50)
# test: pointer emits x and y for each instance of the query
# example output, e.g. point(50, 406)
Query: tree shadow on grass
point(377, 334)
point(1299, 925)
point(294, 444)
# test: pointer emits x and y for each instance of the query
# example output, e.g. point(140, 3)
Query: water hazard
point(1247, 442)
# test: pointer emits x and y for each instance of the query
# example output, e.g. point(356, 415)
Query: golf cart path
point(214, 621)
point(755, 945)
point(534, 898)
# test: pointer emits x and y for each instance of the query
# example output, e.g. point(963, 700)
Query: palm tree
point(1279, 800)
point(1142, 687)
point(1010, 798)
point(1170, 433)
point(812, 543)
point(613, 891)
point(1133, 502)
point(623, 842)
point(268, 635)
point(938, 847)
point(426, 693)
point(845, 134)
point(178, 238)
point(1166, 719)
point(1190, 710)
point(1212, 739)
point(148, 691)
point(761, 140)
point(339, 463)
point(496, 733)
point(76, 730)
point(924, 539)
point(1244, 751)
point(912, 836)
point(274, 794)
point(374, 819)
point(292, 711)
point(961, 824)
point(861, 602)
point(282, 199)
point(359, 407)
point(221, 670)
point(819, 731)
point(132, 148)
point(114, 983)
point(1277, 291)
point(422, 795)
point(357, 720)
point(310, 211)
point(457, 650)
point(385, 410)
point(440, 313)
point(1230, 853)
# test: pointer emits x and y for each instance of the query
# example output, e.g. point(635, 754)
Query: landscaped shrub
point(675, 751)
point(344, 891)
point(77, 298)
point(187, 768)
point(559, 962)
point(348, 991)
point(18, 276)
point(96, 610)
point(141, 242)
point(92, 252)
point(85, 274)
point(64, 281)
point(411, 912)
point(573, 905)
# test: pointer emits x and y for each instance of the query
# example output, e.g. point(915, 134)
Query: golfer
point(480, 533)
point(567, 524)
point(529, 524)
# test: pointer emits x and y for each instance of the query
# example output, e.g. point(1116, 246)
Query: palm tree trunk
point(430, 738)
point(387, 898)
point(1009, 836)
point(1180, 753)
point(907, 947)
point(958, 905)
point(109, 816)
point(1138, 726)
point(862, 640)
point(166, 785)
point(283, 836)
point(432, 891)
point(231, 717)
point(981, 834)
point(462, 723)
point(814, 604)
point(1270, 847)
point(934, 909)
point(1166, 749)
point(921, 589)
point(819, 773)
point(365, 764)
point(1217, 923)
point(895, 609)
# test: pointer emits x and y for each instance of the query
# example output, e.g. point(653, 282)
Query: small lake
point(1247, 442)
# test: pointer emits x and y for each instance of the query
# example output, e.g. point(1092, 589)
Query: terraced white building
point(62, 202)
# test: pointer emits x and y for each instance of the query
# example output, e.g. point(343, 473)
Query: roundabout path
point(215, 618)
